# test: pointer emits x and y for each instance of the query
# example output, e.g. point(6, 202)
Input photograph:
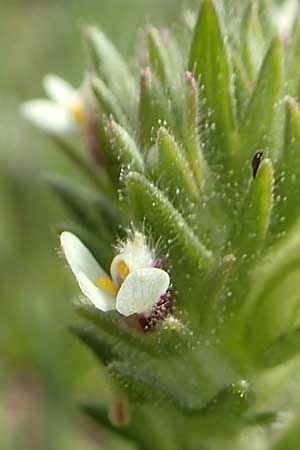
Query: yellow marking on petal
point(107, 285)
point(123, 270)
point(78, 114)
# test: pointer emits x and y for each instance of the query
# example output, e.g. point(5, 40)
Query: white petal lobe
point(141, 290)
point(80, 259)
point(49, 117)
point(98, 297)
point(59, 90)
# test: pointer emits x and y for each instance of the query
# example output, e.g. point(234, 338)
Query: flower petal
point(80, 259)
point(141, 290)
point(136, 255)
point(98, 297)
point(60, 90)
point(284, 16)
point(49, 117)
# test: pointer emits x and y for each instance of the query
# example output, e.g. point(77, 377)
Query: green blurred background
point(45, 372)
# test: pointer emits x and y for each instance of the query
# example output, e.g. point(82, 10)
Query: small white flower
point(135, 286)
point(63, 114)
point(284, 16)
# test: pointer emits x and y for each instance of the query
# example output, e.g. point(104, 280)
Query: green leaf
point(167, 341)
point(191, 131)
point(158, 434)
point(141, 386)
point(119, 151)
point(282, 350)
point(154, 110)
point(258, 126)
point(107, 102)
point(287, 210)
point(97, 177)
point(187, 256)
point(100, 415)
point(99, 343)
point(111, 324)
point(293, 69)
point(265, 418)
point(254, 220)
point(252, 39)
point(167, 157)
point(273, 280)
point(210, 215)
point(159, 57)
point(242, 83)
point(210, 65)
point(165, 62)
point(112, 68)
point(231, 403)
point(166, 222)
point(124, 148)
point(93, 211)
point(291, 437)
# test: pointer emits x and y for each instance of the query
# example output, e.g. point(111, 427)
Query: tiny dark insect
point(256, 162)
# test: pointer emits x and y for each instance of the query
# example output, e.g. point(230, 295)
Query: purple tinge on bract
point(160, 312)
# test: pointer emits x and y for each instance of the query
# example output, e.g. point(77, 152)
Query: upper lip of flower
point(62, 114)
point(135, 285)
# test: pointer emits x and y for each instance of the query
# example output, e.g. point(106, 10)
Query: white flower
point(134, 287)
point(284, 16)
point(63, 114)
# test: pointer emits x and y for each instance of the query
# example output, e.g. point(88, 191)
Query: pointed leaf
point(293, 69)
point(111, 67)
point(158, 57)
point(272, 281)
point(100, 414)
point(191, 131)
point(125, 149)
point(282, 350)
point(260, 127)
point(141, 385)
point(167, 158)
point(149, 203)
point(165, 61)
point(154, 110)
point(252, 39)
point(100, 344)
point(187, 256)
point(167, 341)
point(242, 83)
point(157, 435)
point(254, 220)
point(95, 212)
point(107, 102)
point(209, 63)
point(232, 402)
point(287, 210)
point(291, 437)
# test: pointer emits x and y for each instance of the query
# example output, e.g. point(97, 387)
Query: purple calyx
point(161, 310)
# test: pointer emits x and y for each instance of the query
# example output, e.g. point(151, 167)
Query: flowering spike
point(198, 173)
